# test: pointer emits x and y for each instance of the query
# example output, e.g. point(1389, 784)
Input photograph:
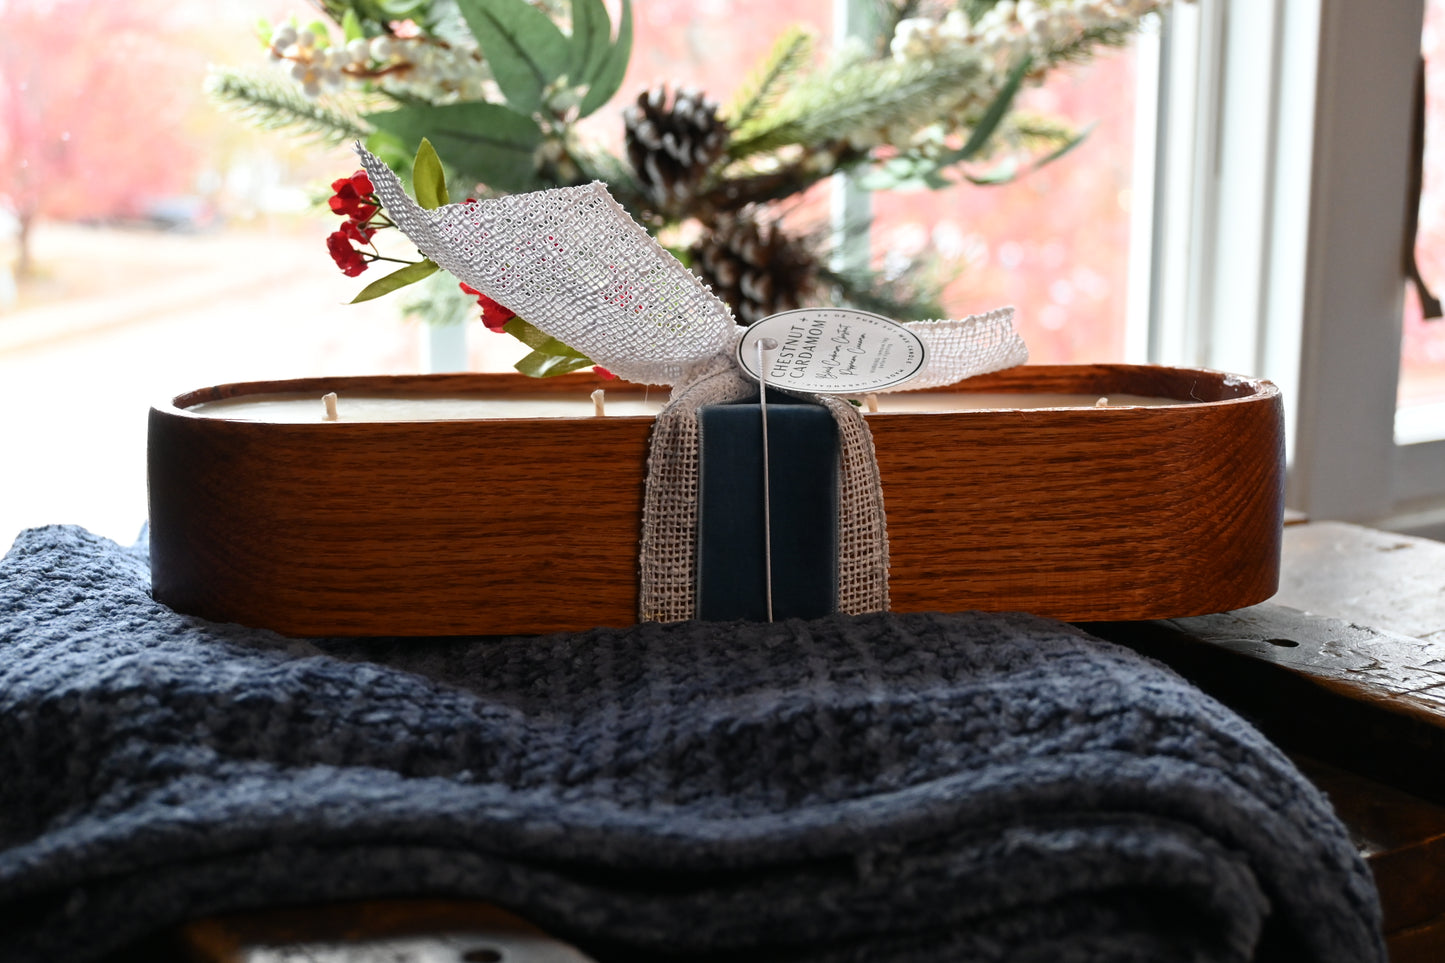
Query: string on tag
point(766, 344)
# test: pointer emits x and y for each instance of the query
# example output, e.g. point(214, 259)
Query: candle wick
point(329, 400)
point(871, 401)
point(599, 408)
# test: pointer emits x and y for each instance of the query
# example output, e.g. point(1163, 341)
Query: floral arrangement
point(354, 198)
point(499, 86)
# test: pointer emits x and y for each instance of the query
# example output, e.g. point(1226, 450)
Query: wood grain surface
point(1381, 579)
point(531, 525)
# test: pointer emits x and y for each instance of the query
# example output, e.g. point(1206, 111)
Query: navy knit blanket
point(882, 788)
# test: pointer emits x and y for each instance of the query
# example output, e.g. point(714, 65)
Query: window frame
point(1279, 204)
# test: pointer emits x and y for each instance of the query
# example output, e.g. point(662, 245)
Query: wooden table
point(1344, 668)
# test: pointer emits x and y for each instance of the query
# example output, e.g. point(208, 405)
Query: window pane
point(189, 259)
point(1422, 358)
point(1055, 242)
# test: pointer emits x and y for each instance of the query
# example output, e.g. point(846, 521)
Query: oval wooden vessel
point(532, 525)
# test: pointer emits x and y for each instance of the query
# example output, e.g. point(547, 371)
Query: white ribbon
point(576, 266)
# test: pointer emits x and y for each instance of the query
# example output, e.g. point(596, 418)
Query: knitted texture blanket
point(882, 788)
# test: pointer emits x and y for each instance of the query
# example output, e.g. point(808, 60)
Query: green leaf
point(548, 356)
point(321, 32)
point(607, 75)
point(524, 48)
point(264, 31)
point(996, 112)
point(410, 274)
point(539, 340)
point(486, 142)
point(541, 365)
point(1067, 146)
point(428, 180)
point(591, 36)
point(351, 26)
point(1003, 174)
point(402, 9)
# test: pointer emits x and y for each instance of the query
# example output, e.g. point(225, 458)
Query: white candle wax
point(303, 409)
point(915, 401)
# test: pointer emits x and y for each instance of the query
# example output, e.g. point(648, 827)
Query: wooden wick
point(871, 402)
point(329, 400)
point(599, 407)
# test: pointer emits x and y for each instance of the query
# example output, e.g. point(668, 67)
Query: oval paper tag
point(836, 351)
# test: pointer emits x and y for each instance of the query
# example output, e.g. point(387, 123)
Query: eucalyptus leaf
point(410, 274)
point(607, 74)
point(591, 37)
point(541, 365)
point(486, 142)
point(524, 48)
point(428, 180)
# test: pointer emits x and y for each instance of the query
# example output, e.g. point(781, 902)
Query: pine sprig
point(1081, 48)
point(771, 79)
point(856, 96)
point(272, 102)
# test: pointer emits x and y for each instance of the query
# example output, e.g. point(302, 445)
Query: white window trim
point(1276, 229)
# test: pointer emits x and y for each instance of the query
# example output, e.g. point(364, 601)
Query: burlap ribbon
point(574, 264)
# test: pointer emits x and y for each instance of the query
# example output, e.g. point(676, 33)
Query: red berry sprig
point(355, 199)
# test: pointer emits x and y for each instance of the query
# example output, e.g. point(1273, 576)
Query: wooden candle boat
point(531, 524)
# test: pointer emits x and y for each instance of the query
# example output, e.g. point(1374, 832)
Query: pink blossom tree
point(92, 94)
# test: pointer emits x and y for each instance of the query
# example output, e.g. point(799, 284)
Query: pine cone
point(755, 267)
point(671, 146)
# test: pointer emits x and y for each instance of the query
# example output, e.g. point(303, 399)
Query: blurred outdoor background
point(152, 244)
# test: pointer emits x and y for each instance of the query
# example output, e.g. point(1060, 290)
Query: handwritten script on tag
point(831, 351)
